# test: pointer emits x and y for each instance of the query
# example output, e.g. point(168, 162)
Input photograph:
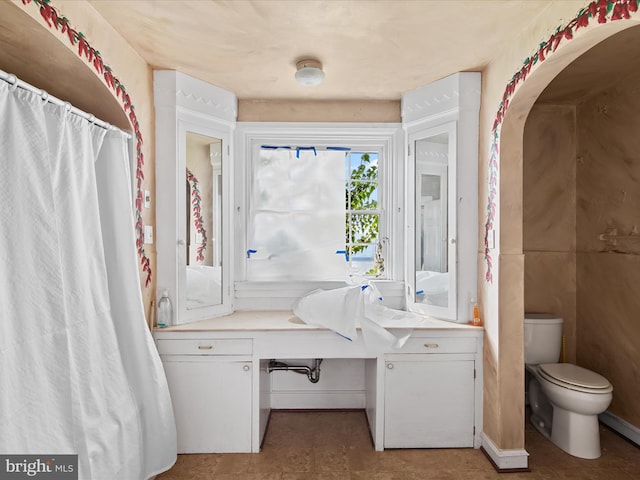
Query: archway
point(509, 139)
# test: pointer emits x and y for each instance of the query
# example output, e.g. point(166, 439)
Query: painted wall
point(580, 179)
point(608, 195)
point(384, 111)
point(549, 216)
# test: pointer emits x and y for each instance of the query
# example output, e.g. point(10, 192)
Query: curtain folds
point(79, 373)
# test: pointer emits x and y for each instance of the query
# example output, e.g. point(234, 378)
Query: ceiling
point(371, 50)
point(596, 70)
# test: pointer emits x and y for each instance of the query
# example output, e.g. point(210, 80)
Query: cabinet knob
point(205, 347)
point(246, 368)
point(431, 345)
point(390, 366)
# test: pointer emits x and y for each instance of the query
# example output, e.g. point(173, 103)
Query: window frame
point(385, 138)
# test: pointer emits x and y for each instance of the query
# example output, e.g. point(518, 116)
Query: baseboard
point(317, 400)
point(621, 426)
point(505, 461)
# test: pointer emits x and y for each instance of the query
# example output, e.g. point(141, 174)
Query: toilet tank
point(542, 338)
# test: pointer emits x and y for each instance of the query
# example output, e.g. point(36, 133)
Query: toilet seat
point(574, 377)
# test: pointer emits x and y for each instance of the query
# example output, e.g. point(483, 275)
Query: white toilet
point(565, 399)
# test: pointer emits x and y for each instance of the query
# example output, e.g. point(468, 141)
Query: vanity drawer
point(211, 346)
point(439, 345)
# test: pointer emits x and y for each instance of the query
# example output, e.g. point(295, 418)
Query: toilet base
point(576, 434)
point(540, 426)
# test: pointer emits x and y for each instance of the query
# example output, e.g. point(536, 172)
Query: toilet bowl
point(565, 399)
point(565, 412)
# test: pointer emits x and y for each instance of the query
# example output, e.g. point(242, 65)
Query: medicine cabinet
point(441, 133)
point(194, 128)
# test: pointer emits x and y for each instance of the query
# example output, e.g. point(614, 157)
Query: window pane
point(362, 228)
point(362, 260)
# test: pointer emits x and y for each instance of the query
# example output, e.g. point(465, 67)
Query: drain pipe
point(312, 373)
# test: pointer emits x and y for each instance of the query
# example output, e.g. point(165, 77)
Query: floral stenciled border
point(603, 11)
point(196, 208)
point(94, 58)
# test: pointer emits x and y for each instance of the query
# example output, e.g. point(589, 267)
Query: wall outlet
point(147, 199)
point(148, 234)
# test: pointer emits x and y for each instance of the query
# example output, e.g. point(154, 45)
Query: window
point(319, 205)
point(314, 214)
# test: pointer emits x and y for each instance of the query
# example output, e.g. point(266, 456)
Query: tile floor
point(335, 445)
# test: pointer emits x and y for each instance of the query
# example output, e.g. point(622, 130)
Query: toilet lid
point(575, 375)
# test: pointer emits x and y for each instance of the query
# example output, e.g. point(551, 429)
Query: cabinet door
point(429, 404)
point(212, 404)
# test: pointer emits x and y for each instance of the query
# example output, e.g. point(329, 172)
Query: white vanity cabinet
point(430, 394)
point(210, 382)
point(426, 394)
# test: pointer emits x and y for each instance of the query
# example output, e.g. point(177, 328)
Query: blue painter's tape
point(250, 251)
point(315, 153)
point(343, 252)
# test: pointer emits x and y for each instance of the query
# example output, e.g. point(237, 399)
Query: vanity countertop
point(286, 320)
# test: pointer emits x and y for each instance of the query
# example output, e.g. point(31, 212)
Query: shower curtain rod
point(13, 80)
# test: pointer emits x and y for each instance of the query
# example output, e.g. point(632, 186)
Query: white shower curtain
point(79, 373)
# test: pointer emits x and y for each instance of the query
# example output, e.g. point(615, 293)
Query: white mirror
point(432, 263)
point(433, 160)
point(203, 216)
point(202, 222)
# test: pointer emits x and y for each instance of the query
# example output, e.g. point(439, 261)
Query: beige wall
point(580, 179)
point(385, 111)
point(549, 216)
point(608, 195)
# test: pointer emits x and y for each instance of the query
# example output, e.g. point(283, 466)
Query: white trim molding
point(505, 460)
point(621, 426)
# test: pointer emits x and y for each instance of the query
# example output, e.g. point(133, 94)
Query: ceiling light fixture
point(309, 73)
